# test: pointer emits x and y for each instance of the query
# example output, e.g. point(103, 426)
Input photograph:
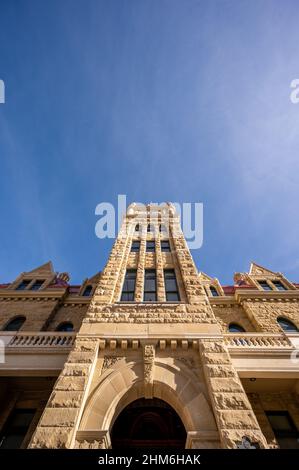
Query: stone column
point(237, 424)
point(60, 419)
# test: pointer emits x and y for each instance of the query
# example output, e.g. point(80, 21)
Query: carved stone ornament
point(148, 370)
point(188, 361)
point(109, 361)
point(247, 444)
point(95, 444)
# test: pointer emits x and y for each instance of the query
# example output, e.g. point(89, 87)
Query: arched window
point(15, 324)
point(87, 291)
point(214, 291)
point(137, 228)
point(287, 325)
point(150, 228)
point(235, 328)
point(65, 326)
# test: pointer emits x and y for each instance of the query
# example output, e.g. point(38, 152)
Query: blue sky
point(161, 100)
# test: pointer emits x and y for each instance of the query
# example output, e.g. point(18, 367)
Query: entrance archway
point(148, 423)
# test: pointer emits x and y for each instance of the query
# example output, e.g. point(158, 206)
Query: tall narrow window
point(37, 284)
point(165, 246)
point(150, 288)
point(15, 324)
point(150, 228)
point(135, 248)
point(150, 246)
point(16, 428)
point(87, 291)
point(162, 228)
point(128, 291)
point(24, 284)
point(279, 285)
point(171, 286)
point(137, 228)
point(264, 285)
point(214, 291)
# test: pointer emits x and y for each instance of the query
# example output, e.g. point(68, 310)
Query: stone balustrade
point(42, 340)
point(257, 340)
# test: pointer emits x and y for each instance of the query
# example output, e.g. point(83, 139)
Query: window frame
point(150, 246)
point(128, 292)
point(264, 281)
point(150, 291)
point(278, 281)
point(163, 250)
point(214, 291)
point(85, 289)
point(169, 291)
point(39, 282)
point(27, 284)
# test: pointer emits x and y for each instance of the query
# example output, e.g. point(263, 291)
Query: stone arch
point(177, 385)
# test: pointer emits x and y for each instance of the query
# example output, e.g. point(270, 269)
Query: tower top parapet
point(151, 209)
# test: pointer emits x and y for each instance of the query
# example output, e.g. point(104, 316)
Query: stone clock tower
point(149, 363)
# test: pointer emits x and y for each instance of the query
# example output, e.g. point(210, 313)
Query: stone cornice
point(10, 294)
point(48, 294)
point(223, 300)
point(264, 296)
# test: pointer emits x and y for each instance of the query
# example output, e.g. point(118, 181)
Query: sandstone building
point(149, 352)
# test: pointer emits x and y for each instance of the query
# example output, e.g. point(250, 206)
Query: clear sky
point(161, 100)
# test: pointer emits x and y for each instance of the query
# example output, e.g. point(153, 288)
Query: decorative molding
point(109, 361)
point(92, 439)
point(148, 361)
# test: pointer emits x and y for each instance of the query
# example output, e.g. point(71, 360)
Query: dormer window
point(87, 291)
point(279, 285)
point(264, 285)
point(24, 284)
point(214, 291)
point(37, 284)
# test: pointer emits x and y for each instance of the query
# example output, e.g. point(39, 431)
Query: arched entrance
point(148, 423)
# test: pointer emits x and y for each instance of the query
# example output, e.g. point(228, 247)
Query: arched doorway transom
point(148, 423)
